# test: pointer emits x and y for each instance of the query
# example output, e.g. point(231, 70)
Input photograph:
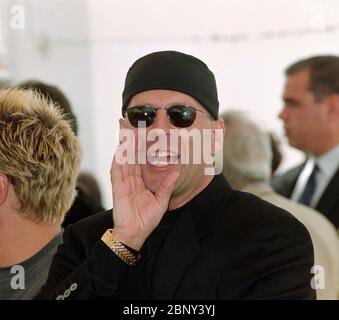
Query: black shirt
point(139, 285)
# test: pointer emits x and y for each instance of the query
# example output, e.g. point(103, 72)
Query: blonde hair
point(39, 153)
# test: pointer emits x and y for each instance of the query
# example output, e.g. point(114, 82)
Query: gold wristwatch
point(119, 249)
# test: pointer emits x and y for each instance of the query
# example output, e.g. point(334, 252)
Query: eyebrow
point(290, 100)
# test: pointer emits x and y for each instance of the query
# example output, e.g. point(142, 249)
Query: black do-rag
point(172, 70)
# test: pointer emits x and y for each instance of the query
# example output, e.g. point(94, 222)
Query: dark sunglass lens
point(181, 116)
point(137, 114)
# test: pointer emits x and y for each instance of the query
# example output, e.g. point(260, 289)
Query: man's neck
point(20, 239)
point(324, 148)
point(181, 200)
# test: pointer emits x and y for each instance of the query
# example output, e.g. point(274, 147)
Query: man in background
point(311, 122)
point(39, 162)
point(247, 166)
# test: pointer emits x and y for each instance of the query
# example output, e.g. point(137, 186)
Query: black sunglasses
point(179, 115)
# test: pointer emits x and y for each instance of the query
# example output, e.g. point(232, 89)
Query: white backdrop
point(87, 46)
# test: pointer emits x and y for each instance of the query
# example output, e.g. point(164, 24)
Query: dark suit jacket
point(225, 245)
point(328, 203)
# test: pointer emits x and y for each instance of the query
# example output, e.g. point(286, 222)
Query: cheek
point(312, 118)
point(307, 124)
point(299, 119)
point(298, 114)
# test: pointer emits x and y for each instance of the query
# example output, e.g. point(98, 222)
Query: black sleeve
point(75, 274)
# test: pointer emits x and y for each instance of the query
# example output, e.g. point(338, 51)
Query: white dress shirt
point(328, 165)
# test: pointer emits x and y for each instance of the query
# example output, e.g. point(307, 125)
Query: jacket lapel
point(284, 185)
point(330, 196)
point(176, 254)
point(181, 247)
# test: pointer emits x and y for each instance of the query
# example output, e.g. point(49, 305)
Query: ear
point(4, 185)
point(332, 107)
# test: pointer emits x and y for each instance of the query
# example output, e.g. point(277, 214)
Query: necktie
point(307, 194)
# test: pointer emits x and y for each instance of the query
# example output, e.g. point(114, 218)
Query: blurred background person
point(84, 205)
point(311, 122)
point(247, 166)
point(276, 152)
point(39, 163)
point(53, 93)
point(89, 185)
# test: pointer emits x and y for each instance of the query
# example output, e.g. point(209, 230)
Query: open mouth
point(162, 158)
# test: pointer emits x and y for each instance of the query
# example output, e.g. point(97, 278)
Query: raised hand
point(136, 210)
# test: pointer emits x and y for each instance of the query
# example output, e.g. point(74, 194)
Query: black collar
point(207, 206)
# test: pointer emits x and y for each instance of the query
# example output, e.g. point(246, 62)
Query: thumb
point(166, 187)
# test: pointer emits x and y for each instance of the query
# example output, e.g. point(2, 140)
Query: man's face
point(304, 118)
point(153, 172)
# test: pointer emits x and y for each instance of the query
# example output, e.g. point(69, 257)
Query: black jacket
point(328, 203)
point(224, 245)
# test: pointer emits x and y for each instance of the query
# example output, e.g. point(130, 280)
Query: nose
point(283, 114)
point(161, 121)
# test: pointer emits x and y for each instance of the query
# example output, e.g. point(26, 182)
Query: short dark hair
point(55, 95)
point(324, 74)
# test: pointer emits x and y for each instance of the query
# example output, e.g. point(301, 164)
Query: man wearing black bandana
point(176, 232)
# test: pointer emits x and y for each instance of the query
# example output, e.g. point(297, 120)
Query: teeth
point(162, 158)
point(163, 154)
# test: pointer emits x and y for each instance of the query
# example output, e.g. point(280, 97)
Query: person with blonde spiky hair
point(39, 163)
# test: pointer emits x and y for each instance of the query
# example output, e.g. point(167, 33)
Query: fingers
point(126, 155)
point(116, 171)
point(120, 170)
point(128, 170)
point(138, 170)
point(166, 188)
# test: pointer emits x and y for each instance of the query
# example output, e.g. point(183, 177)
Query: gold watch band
point(119, 249)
